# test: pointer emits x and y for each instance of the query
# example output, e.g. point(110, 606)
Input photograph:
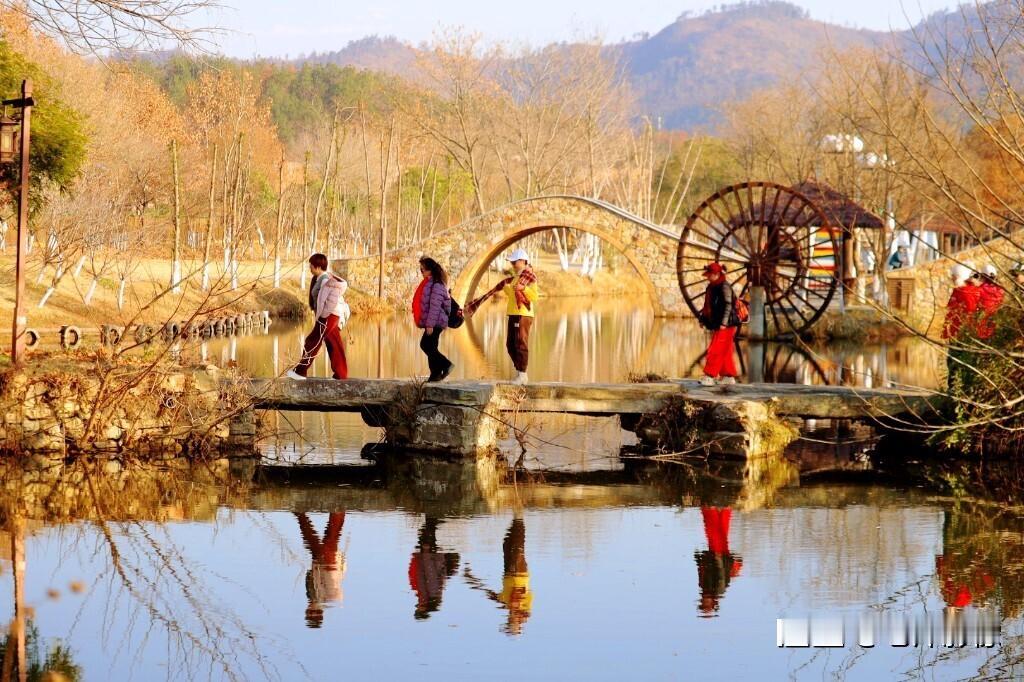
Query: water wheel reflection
point(783, 363)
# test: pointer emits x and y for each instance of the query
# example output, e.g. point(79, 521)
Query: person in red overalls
point(719, 317)
point(716, 566)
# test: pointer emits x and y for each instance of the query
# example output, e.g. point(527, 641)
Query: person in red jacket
point(960, 324)
point(963, 303)
point(989, 302)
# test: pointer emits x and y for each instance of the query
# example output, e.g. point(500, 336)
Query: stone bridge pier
point(466, 250)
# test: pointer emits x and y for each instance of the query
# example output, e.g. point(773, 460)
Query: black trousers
point(435, 358)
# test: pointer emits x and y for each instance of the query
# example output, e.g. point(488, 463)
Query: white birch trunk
point(92, 290)
point(562, 246)
point(46, 295)
point(176, 276)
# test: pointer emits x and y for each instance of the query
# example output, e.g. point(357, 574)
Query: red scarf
point(526, 278)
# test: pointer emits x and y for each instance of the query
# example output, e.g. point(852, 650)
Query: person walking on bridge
point(521, 293)
point(431, 307)
point(327, 300)
point(719, 317)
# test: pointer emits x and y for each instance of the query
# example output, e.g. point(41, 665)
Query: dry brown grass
point(67, 306)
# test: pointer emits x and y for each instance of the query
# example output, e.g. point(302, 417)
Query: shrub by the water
point(988, 390)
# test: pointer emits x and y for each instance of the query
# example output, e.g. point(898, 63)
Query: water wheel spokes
point(766, 235)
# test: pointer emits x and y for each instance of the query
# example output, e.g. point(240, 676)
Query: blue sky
point(282, 27)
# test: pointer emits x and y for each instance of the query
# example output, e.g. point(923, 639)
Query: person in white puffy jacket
point(327, 299)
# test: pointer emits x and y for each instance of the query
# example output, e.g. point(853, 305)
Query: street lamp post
point(7, 133)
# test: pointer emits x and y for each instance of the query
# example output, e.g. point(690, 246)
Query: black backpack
point(455, 315)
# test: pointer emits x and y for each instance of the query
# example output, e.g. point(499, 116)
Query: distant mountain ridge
point(686, 72)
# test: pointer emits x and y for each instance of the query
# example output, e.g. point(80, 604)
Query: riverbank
point(143, 300)
point(860, 324)
point(81, 403)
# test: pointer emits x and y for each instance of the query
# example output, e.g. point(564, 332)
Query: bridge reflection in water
point(443, 561)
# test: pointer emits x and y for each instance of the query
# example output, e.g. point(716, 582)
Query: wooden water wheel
point(769, 235)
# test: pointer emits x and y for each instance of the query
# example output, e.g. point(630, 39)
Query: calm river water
point(590, 566)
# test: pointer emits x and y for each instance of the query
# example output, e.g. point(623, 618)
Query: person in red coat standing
point(989, 301)
point(960, 324)
point(719, 317)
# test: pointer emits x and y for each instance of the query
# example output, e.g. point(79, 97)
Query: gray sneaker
point(292, 374)
point(727, 381)
point(707, 381)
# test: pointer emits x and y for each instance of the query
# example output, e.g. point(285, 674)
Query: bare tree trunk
point(280, 221)
point(209, 222)
point(176, 256)
point(385, 163)
point(323, 186)
point(232, 257)
point(305, 215)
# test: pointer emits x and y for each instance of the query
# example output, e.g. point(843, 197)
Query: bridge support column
point(739, 428)
point(439, 419)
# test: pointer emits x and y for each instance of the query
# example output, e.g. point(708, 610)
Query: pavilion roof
point(840, 210)
point(933, 222)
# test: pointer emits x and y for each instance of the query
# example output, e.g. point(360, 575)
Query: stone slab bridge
point(467, 418)
point(466, 250)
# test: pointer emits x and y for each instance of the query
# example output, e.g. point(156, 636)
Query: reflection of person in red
point(323, 579)
point(428, 570)
point(515, 594)
point(959, 590)
point(716, 566)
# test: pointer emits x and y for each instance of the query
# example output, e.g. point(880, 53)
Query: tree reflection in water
point(42, 662)
point(121, 510)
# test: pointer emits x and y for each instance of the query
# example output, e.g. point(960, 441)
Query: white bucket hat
point(960, 273)
point(519, 254)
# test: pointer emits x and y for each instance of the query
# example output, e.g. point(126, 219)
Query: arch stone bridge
point(466, 250)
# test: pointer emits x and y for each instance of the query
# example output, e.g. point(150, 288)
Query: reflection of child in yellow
point(323, 579)
point(515, 594)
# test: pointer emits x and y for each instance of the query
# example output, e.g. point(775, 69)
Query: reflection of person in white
point(323, 579)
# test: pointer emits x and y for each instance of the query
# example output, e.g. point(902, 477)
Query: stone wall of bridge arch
point(467, 249)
